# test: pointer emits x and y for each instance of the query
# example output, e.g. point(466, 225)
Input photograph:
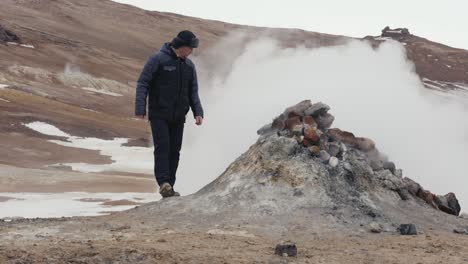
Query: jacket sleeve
point(195, 102)
point(144, 83)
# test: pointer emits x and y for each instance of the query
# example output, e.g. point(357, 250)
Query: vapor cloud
point(373, 93)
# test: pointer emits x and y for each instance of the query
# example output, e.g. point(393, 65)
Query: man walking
point(170, 80)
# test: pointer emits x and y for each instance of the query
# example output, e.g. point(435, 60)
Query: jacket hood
point(166, 48)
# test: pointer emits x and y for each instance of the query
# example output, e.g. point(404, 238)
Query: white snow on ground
point(47, 129)
point(3, 86)
point(45, 205)
point(382, 38)
point(128, 159)
point(27, 46)
point(448, 66)
point(4, 100)
point(100, 91)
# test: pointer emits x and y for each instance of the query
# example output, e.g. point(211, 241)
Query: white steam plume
point(372, 92)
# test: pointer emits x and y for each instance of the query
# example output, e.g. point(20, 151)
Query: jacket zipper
point(179, 86)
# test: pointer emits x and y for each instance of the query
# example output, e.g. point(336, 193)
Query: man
point(170, 80)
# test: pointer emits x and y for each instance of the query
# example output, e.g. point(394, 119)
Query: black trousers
point(167, 139)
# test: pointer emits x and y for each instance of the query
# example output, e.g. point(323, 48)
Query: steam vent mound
point(304, 176)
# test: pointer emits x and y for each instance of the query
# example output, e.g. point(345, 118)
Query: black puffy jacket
point(171, 84)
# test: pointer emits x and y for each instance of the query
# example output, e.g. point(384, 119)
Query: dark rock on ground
point(408, 229)
point(288, 248)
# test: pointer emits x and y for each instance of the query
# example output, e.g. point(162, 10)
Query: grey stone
point(388, 165)
point(333, 149)
point(375, 227)
point(324, 156)
point(317, 109)
point(324, 121)
point(408, 229)
point(287, 248)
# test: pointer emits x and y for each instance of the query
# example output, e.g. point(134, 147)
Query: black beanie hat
point(185, 38)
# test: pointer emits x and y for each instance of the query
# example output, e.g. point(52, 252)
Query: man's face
point(185, 51)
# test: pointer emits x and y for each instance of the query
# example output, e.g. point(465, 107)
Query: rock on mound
point(303, 175)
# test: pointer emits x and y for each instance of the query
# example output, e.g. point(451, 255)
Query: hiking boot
point(166, 190)
point(176, 193)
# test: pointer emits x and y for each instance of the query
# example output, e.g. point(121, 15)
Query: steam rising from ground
point(372, 92)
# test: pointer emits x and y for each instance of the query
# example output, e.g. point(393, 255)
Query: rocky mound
point(303, 175)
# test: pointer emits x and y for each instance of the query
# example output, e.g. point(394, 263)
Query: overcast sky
point(442, 21)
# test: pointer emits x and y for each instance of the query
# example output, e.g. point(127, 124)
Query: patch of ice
point(45, 205)
point(46, 129)
point(3, 86)
point(29, 46)
point(4, 100)
point(241, 233)
point(91, 110)
point(100, 91)
point(128, 159)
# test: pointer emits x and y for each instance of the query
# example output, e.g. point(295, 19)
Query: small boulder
point(286, 248)
point(325, 121)
point(324, 156)
point(413, 187)
point(308, 120)
point(388, 165)
point(298, 109)
point(312, 134)
point(333, 162)
point(334, 149)
point(317, 109)
point(408, 229)
point(375, 227)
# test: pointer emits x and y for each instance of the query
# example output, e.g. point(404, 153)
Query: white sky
point(441, 21)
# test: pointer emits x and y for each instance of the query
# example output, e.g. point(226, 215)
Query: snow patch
point(46, 129)
point(449, 66)
point(4, 100)
point(3, 86)
point(382, 38)
point(12, 43)
point(141, 160)
point(100, 91)
point(29, 46)
point(46, 205)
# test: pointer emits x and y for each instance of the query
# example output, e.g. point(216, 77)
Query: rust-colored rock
point(312, 134)
point(341, 135)
point(308, 120)
point(429, 198)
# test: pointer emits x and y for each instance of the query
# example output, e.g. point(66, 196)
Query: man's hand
point(198, 120)
point(142, 117)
